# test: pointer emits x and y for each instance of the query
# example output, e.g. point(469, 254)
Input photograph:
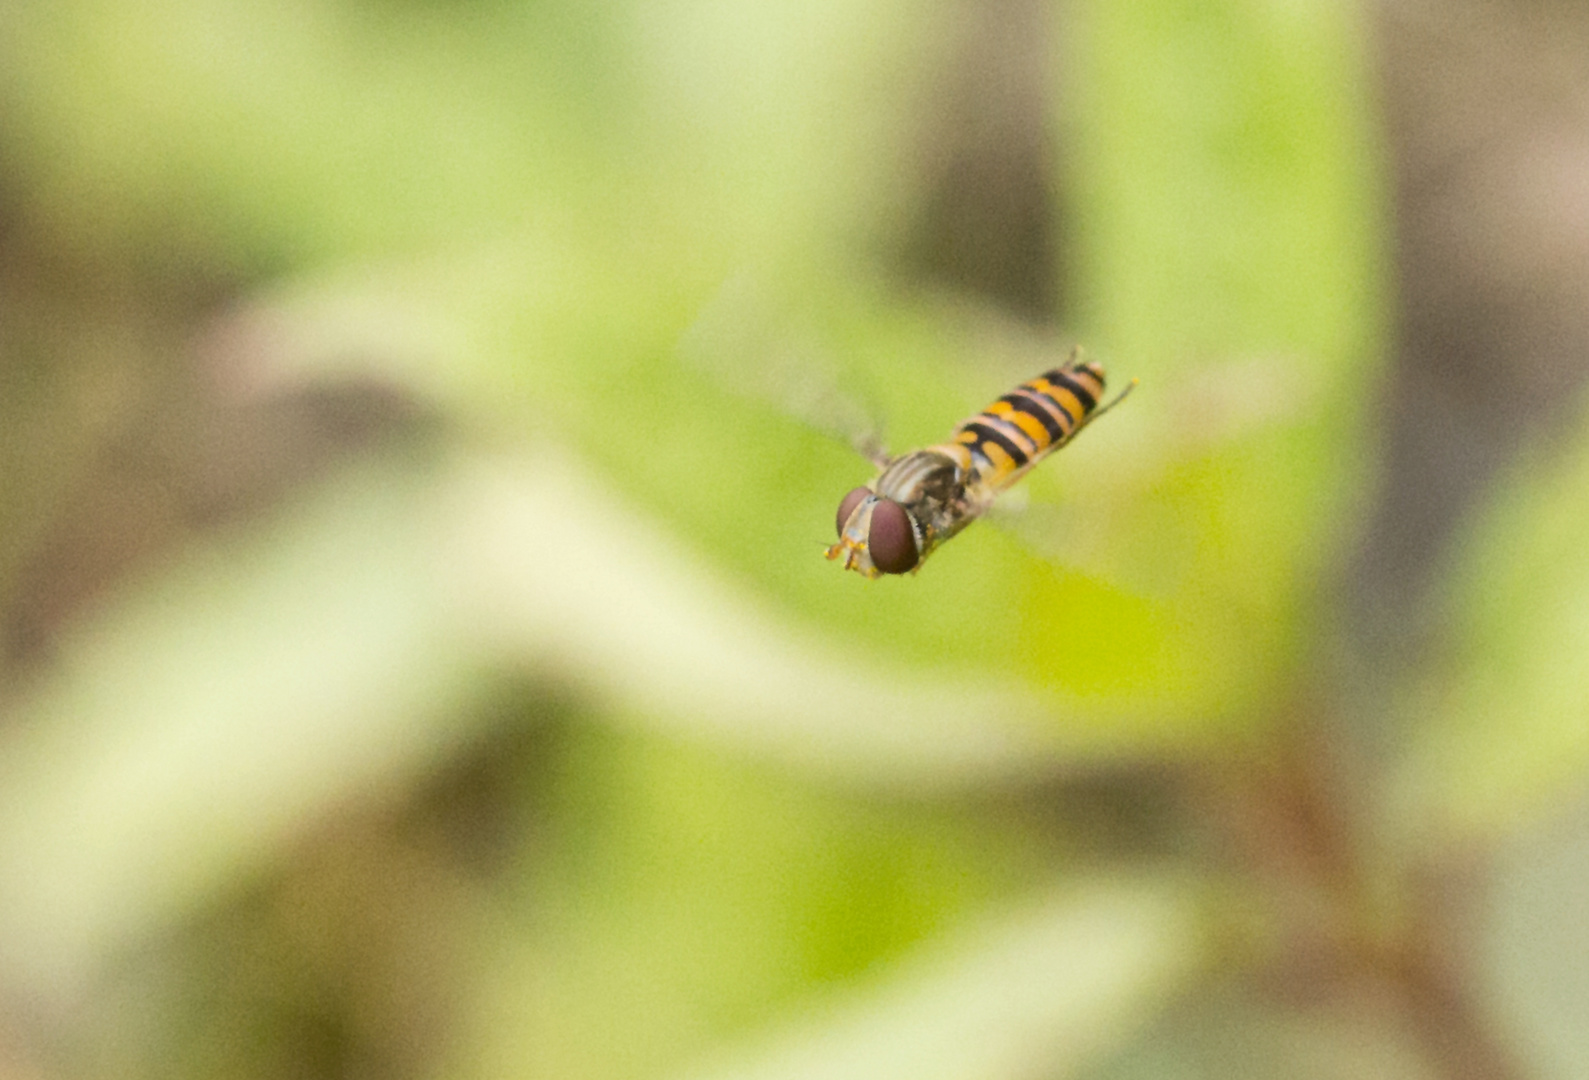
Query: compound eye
point(892, 543)
point(847, 507)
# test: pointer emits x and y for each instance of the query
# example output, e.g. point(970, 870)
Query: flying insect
point(922, 498)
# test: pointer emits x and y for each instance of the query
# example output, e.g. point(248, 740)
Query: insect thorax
point(937, 487)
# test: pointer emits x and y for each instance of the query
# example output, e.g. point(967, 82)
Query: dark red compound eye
point(847, 507)
point(892, 543)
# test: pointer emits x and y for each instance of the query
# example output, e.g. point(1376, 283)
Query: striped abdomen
point(1030, 421)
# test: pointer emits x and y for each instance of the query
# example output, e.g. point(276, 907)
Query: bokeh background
point(421, 420)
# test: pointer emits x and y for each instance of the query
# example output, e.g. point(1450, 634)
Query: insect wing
point(739, 341)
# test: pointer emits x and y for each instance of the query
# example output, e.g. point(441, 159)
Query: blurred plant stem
point(1294, 815)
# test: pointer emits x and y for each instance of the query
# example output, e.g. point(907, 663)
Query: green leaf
point(1531, 953)
point(1041, 991)
point(1500, 721)
point(200, 719)
point(1225, 1031)
point(1226, 194)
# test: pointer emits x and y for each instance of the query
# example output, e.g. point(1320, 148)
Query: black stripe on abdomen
point(984, 433)
point(1021, 402)
point(1061, 377)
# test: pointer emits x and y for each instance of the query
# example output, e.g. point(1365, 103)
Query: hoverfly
point(922, 498)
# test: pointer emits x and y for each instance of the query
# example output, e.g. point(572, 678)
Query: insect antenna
point(1100, 410)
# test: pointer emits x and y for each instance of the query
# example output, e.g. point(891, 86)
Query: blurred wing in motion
point(742, 341)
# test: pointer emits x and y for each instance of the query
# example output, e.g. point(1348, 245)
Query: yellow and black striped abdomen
point(1035, 418)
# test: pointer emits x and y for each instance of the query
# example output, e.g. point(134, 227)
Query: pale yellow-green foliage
point(793, 823)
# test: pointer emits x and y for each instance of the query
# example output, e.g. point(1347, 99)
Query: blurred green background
point(421, 421)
